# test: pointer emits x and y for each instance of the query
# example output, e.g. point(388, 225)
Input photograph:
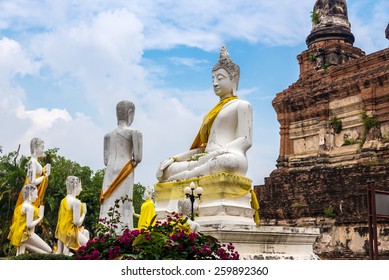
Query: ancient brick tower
point(334, 139)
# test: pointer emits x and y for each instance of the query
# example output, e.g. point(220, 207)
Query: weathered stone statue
point(184, 211)
point(70, 232)
point(224, 136)
point(217, 158)
point(36, 174)
point(122, 153)
point(26, 216)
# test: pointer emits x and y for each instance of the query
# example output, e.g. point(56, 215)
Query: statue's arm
point(244, 134)
point(32, 173)
point(137, 140)
point(30, 222)
point(78, 219)
point(106, 149)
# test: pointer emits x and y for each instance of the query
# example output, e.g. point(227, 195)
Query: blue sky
point(64, 65)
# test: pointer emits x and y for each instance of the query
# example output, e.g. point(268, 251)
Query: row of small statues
point(69, 231)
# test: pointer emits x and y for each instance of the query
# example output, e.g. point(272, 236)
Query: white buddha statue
point(122, 153)
point(26, 217)
point(36, 174)
point(70, 232)
point(224, 136)
point(217, 159)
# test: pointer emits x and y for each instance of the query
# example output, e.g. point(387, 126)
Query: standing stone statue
point(122, 153)
point(36, 174)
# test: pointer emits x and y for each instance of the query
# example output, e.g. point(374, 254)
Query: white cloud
point(99, 45)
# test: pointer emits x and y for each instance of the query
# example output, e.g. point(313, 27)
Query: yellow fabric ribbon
point(66, 230)
point(18, 231)
point(255, 205)
point(147, 213)
point(41, 190)
point(203, 134)
point(127, 169)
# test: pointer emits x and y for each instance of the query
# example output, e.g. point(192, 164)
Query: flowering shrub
point(169, 240)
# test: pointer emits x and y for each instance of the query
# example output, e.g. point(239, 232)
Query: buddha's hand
point(48, 169)
point(166, 163)
point(41, 211)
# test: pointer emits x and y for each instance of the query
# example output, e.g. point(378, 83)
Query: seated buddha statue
point(224, 136)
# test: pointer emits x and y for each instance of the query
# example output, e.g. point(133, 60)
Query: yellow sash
point(203, 134)
point(66, 230)
point(18, 230)
point(255, 206)
point(147, 213)
point(127, 169)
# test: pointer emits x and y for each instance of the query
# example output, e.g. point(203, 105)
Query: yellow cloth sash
point(147, 213)
point(18, 230)
point(127, 169)
point(255, 205)
point(66, 230)
point(41, 190)
point(201, 139)
point(216, 186)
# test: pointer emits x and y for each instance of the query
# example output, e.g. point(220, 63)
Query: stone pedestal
point(225, 212)
point(268, 242)
point(225, 199)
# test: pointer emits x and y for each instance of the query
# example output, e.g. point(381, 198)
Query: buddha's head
point(73, 185)
point(30, 192)
point(37, 146)
point(226, 67)
point(125, 111)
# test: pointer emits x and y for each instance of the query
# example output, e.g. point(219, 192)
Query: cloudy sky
point(65, 64)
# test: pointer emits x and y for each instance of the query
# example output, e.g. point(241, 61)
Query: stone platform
point(268, 242)
point(224, 211)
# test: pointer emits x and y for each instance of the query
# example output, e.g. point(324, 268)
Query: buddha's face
point(34, 195)
point(39, 150)
point(222, 83)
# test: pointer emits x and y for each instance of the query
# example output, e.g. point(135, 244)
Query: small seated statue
point(184, 211)
point(224, 136)
point(147, 211)
point(26, 216)
point(71, 215)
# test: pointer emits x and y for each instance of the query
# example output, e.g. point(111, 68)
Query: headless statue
point(122, 152)
point(26, 216)
point(71, 215)
point(224, 137)
point(184, 211)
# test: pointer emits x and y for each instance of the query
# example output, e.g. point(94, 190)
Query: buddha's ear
point(235, 81)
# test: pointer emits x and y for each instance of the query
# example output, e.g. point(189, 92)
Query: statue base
point(225, 199)
point(268, 242)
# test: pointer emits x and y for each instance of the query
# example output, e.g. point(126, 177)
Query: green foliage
point(348, 141)
point(368, 123)
point(336, 124)
point(137, 200)
point(297, 205)
point(36, 256)
point(329, 212)
point(312, 57)
point(315, 17)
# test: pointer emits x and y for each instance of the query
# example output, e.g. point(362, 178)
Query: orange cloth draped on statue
point(40, 187)
point(203, 134)
point(126, 170)
point(255, 205)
